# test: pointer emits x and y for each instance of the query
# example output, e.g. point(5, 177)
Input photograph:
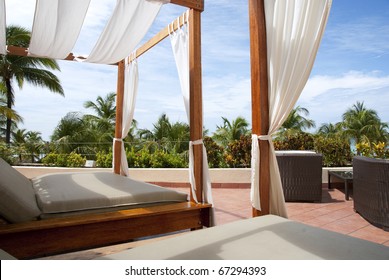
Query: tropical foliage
point(80, 136)
point(21, 69)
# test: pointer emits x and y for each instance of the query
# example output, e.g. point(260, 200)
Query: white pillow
point(17, 197)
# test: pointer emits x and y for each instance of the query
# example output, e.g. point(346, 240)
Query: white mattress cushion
point(262, 238)
point(17, 198)
point(57, 193)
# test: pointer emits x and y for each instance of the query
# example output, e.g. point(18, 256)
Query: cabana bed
point(268, 237)
point(58, 213)
point(28, 238)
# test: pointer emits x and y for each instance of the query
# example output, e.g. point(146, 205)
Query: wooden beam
point(259, 96)
point(196, 100)
point(21, 51)
point(119, 117)
point(161, 35)
point(61, 235)
point(192, 4)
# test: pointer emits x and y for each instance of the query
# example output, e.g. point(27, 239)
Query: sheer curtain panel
point(3, 47)
point(127, 26)
point(180, 45)
point(294, 30)
point(131, 78)
point(56, 27)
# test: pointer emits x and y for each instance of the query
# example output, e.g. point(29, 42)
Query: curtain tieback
point(265, 137)
point(197, 142)
point(117, 140)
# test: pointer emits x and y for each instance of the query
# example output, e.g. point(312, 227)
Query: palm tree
point(27, 143)
point(171, 137)
point(70, 133)
point(19, 142)
point(296, 122)
point(25, 68)
point(7, 113)
point(34, 144)
point(328, 129)
point(101, 126)
point(105, 110)
point(361, 123)
point(231, 131)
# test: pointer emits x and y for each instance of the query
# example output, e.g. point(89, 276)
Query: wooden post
point(259, 96)
point(119, 117)
point(196, 102)
point(192, 4)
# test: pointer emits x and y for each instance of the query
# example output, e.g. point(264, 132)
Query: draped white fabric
point(180, 45)
point(130, 20)
point(3, 46)
point(294, 30)
point(131, 78)
point(57, 25)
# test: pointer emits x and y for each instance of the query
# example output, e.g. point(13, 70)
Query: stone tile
point(372, 233)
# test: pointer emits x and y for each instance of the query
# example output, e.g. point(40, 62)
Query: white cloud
point(328, 97)
point(352, 83)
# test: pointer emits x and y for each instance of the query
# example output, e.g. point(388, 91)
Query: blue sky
point(352, 65)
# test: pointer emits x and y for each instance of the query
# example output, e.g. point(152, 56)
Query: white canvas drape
point(56, 27)
point(127, 26)
point(3, 44)
point(294, 30)
point(180, 44)
point(131, 78)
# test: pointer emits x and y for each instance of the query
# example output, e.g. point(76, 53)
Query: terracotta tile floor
point(333, 213)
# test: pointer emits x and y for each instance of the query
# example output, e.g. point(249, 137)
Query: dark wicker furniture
point(346, 176)
point(301, 175)
point(371, 190)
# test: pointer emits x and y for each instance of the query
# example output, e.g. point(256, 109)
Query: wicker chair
point(301, 175)
point(371, 190)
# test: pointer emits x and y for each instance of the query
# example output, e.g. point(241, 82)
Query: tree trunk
point(9, 105)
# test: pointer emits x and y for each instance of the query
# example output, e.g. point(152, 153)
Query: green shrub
point(104, 159)
point(335, 150)
point(50, 159)
point(7, 153)
point(214, 153)
point(374, 150)
point(296, 141)
point(64, 160)
point(161, 159)
point(75, 160)
point(238, 153)
point(142, 158)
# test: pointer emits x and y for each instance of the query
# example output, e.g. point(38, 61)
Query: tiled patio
point(333, 213)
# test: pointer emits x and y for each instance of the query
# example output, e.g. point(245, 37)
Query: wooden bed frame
point(59, 235)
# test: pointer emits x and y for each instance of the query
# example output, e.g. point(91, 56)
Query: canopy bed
point(128, 24)
point(285, 36)
point(268, 237)
point(284, 39)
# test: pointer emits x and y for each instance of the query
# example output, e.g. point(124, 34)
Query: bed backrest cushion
point(17, 197)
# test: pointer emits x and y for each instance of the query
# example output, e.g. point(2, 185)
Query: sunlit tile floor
point(333, 213)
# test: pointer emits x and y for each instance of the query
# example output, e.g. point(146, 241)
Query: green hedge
point(64, 160)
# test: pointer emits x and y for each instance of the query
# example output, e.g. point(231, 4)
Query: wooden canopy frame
point(57, 235)
point(260, 97)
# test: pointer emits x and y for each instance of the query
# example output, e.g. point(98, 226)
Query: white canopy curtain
point(3, 47)
point(180, 44)
point(131, 78)
point(130, 20)
point(294, 30)
point(56, 27)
